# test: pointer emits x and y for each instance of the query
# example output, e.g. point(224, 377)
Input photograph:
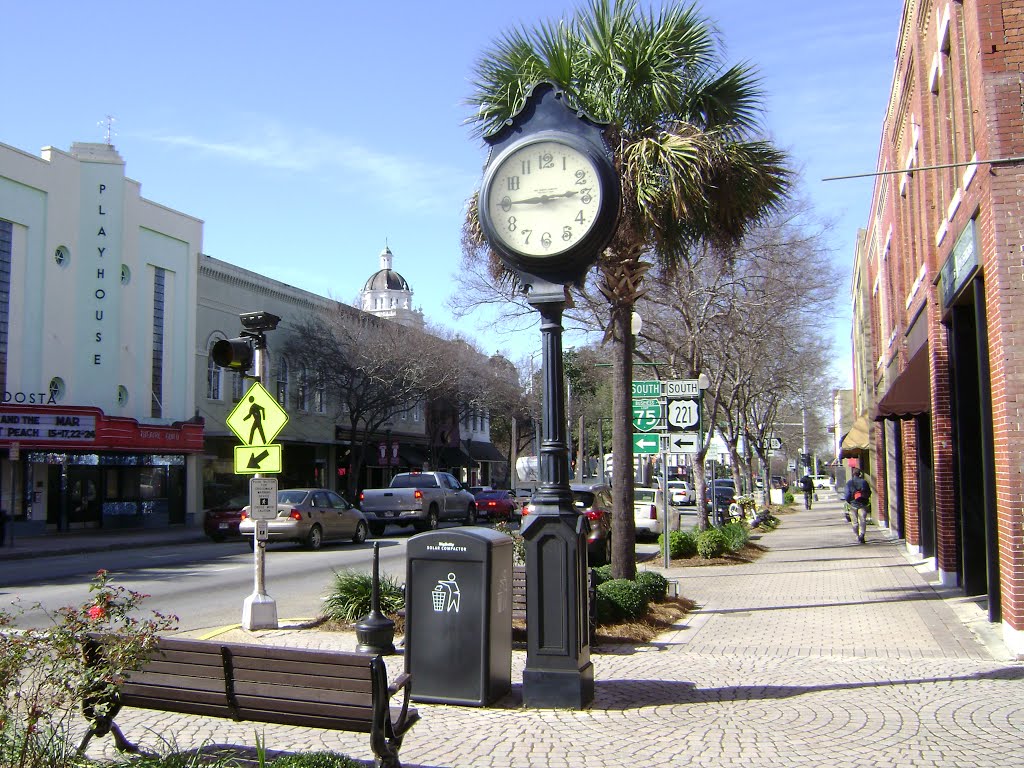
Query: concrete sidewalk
point(822, 652)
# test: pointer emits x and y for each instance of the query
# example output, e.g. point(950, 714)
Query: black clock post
point(572, 206)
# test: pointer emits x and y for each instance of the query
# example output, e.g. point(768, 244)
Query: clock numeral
point(513, 183)
point(525, 165)
point(581, 177)
point(546, 160)
point(526, 236)
point(506, 204)
point(580, 218)
point(545, 239)
point(511, 223)
point(567, 233)
point(585, 196)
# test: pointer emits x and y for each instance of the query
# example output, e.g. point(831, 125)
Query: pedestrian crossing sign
point(258, 417)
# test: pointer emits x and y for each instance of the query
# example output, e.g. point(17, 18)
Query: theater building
point(97, 322)
point(945, 286)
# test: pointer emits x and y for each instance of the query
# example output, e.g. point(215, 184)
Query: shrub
point(518, 542)
point(654, 584)
point(315, 760)
point(736, 535)
point(602, 573)
point(45, 681)
point(629, 600)
point(682, 544)
point(788, 498)
point(710, 543)
point(351, 594)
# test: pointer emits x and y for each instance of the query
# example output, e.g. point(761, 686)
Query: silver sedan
point(311, 516)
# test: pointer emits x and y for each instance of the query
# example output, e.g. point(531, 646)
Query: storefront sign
point(47, 427)
point(961, 264)
point(89, 428)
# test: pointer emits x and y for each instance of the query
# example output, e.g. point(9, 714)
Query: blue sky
point(307, 135)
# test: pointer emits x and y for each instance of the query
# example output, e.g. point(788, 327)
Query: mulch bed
point(748, 554)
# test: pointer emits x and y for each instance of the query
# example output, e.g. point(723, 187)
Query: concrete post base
point(259, 612)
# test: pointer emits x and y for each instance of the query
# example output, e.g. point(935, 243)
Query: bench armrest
point(400, 682)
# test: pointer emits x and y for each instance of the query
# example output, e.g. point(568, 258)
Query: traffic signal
point(235, 354)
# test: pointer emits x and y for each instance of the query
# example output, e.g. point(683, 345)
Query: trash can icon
point(458, 615)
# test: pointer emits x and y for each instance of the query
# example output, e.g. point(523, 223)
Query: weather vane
point(108, 123)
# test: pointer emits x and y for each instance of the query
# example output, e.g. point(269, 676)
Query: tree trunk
point(623, 525)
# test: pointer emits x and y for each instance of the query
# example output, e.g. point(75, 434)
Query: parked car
point(594, 501)
point(680, 493)
point(649, 512)
point(311, 516)
point(821, 481)
point(220, 522)
point(724, 493)
point(495, 505)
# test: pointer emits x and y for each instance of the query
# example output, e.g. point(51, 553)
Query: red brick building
point(944, 256)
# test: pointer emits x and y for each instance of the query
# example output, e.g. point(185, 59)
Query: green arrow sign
point(646, 415)
point(646, 443)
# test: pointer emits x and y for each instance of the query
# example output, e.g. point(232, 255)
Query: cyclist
point(808, 485)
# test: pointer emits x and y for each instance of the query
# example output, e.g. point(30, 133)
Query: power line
point(997, 161)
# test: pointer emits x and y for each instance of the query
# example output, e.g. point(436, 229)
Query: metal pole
point(600, 448)
point(666, 527)
point(259, 611)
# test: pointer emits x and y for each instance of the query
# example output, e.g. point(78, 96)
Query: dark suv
point(724, 493)
point(594, 501)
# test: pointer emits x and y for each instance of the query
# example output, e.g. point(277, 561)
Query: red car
point(495, 505)
point(221, 522)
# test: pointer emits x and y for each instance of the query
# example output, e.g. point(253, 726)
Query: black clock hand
point(544, 198)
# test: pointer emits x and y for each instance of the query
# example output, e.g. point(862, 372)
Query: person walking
point(858, 495)
point(808, 485)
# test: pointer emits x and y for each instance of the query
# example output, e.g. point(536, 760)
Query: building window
point(6, 249)
point(302, 396)
point(122, 395)
point(126, 274)
point(57, 388)
point(158, 343)
point(237, 387)
point(62, 256)
point(282, 382)
point(214, 375)
point(320, 393)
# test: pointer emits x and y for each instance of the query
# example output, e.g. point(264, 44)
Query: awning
point(857, 440)
point(412, 455)
point(910, 395)
point(453, 457)
point(483, 451)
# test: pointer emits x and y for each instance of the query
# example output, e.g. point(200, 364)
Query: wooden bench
point(288, 686)
point(519, 598)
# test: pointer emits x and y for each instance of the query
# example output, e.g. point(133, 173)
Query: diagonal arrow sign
point(256, 458)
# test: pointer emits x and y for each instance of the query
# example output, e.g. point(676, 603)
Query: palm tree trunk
point(623, 526)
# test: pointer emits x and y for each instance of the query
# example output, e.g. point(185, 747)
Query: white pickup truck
point(419, 499)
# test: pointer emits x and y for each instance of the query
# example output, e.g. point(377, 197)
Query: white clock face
point(544, 198)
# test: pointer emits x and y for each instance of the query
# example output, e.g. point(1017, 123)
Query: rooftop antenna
point(108, 125)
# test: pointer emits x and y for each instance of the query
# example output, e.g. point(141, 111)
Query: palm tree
point(680, 124)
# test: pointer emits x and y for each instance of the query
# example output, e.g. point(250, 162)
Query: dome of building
point(386, 279)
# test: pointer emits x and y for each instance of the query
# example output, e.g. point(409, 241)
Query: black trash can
point(458, 616)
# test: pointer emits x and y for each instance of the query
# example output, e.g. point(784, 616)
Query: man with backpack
point(858, 495)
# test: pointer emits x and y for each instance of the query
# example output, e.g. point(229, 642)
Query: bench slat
point(276, 677)
point(324, 668)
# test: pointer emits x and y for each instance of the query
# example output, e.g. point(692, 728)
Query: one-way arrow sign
point(646, 443)
point(686, 442)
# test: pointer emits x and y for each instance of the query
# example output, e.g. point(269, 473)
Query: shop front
point(71, 468)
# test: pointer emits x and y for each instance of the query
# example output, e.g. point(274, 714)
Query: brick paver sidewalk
point(823, 652)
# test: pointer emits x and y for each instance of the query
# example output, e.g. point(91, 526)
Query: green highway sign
point(646, 415)
point(645, 442)
point(647, 388)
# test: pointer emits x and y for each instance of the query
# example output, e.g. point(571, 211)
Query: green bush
point(736, 535)
point(518, 542)
point(602, 573)
point(629, 600)
point(710, 543)
point(681, 544)
point(315, 760)
point(788, 498)
point(350, 596)
point(654, 584)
